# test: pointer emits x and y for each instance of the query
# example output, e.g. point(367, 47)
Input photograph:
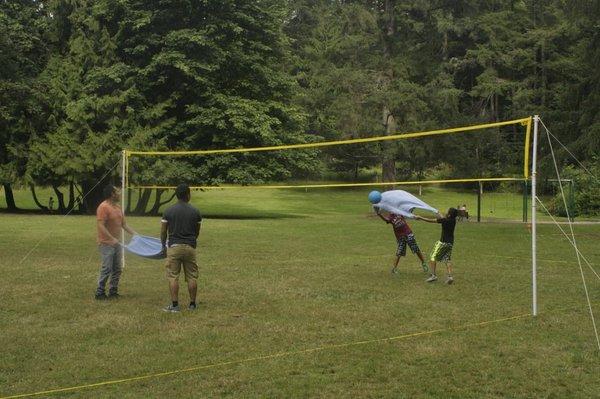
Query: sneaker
point(100, 297)
point(425, 267)
point(172, 309)
point(192, 306)
point(394, 270)
point(432, 278)
point(114, 295)
point(449, 280)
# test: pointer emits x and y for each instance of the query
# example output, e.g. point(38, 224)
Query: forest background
point(81, 80)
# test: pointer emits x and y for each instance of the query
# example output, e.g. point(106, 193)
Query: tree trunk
point(544, 78)
point(71, 196)
point(128, 208)
point(158, 203)
point(496, 108)
point(445, 46)
point(93, 195)
point(388, 164)
point(79, 199)
point(142, 204)
point(60, 197)
point(10, 198)
point(35, 199)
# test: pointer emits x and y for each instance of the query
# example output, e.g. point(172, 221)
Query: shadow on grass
point(31, 212)
point(232, 216)
point(251, 216)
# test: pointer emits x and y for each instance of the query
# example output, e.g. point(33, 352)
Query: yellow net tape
point(396, 183)
point(338, 142)
point(524, 121)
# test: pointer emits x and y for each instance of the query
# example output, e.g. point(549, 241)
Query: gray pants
point(111, 267)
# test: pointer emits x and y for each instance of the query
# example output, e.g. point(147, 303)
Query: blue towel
point(147, 247)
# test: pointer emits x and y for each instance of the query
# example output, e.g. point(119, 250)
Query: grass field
point(286, 272)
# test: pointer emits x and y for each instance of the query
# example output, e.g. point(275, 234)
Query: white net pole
point(536, 119)
point(123, 160)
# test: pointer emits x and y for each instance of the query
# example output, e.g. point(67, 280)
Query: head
point(452, 213)
point(110, 192)
point(183, 192)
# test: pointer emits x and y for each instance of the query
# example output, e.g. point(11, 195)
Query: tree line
point(82, 79)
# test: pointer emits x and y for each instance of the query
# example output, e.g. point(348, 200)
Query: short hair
point(182, 191)
point(108, 191)
point(453, 213)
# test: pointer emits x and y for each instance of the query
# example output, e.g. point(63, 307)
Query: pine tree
point(23, 53)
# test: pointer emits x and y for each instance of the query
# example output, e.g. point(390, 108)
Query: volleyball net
point(493, 152)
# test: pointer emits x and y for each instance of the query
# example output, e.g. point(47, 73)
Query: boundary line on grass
point(264, 357)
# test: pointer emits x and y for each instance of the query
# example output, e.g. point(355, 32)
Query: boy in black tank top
point(442, 251)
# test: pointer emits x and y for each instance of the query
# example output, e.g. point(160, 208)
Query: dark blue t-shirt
point(183, 222)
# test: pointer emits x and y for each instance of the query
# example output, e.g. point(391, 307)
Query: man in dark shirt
point(442, 251)
point(181, 224)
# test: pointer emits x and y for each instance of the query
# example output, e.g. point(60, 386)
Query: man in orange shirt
point(110, 221)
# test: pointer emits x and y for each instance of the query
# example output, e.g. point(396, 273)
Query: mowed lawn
point(301, 274)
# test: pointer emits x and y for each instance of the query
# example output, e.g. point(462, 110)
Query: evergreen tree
point(23, 53)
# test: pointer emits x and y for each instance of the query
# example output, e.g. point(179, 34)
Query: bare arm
point(164, 226)
point(428, 220)
point(378, 212)
point(105, 231)
point(382, 217)
point(127, 228)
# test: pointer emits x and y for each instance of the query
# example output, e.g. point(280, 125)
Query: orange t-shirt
point(112, 217)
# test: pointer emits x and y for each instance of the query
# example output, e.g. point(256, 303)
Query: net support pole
point(536, 119)
point(123, 162)
point(525, 193)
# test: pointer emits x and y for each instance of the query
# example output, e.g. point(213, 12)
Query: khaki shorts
point(178, 256)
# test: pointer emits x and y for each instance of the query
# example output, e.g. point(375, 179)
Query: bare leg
point(396, 262)
point(432, 265)
point(192, 289)
point(174, 289)
point(423, 262)
point(433, 277)
point(449, 278)
point(449, 268)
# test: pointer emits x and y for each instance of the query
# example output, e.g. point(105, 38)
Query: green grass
point(299, 270)
point(257, 203)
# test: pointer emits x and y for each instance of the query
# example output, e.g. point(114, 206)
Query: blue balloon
point(374, 197)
